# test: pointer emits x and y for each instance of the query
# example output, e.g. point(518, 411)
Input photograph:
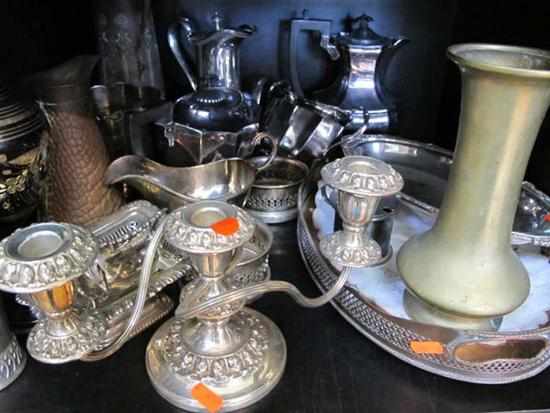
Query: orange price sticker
point(227, 226)
point(427, 347)
point(547, 218)
point(210, 400)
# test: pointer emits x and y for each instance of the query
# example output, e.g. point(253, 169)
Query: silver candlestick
point(44, 260)
point(214, 339)
point(361, 182)
point(82, 285)
point(237, 352)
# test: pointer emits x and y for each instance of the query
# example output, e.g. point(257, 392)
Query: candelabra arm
point(268, 287)
point(141, 298)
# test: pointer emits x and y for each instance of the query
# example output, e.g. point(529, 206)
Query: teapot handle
point(306, 24)
point(274, 148)
point(185, 25)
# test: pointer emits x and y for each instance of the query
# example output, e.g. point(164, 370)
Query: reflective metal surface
point(426, 167)
point(187, 146)
point(77, 155)
point(237, 352)
point(274, 194)
point(44, 260)
point(123, 112)
point(373, 303)
point(228, 180)
point(217, 102)
point(381, 224)
point(363, 55)
point(465, 264)
point(360, 183)
point(301, 126)
point(12, 358)
point(82, 285)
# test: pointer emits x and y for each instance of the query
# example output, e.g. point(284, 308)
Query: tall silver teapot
point(364, 56)
point(217, 102)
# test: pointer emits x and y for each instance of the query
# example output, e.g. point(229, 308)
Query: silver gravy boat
point(226, 180)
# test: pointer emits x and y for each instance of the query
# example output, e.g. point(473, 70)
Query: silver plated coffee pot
point(364, 57)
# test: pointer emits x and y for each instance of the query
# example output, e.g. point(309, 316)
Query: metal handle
point(306, 24)
point(274, 148)
point(269, 287)
point(173, 36)
point(482, 348)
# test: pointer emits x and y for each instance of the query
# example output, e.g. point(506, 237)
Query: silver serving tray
point(426, 167)
point(372, 302)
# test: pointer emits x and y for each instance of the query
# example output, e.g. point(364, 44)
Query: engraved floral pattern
point(51, 349)
point(218, 370)
point(11, 360)
point(340, 254)
point(372, 178)
point(190, 238)
point(35, 275)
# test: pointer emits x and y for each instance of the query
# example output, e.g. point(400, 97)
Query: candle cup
point(44, 260)
point(361, 182)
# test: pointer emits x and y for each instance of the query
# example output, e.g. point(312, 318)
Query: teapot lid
point(242, 31)
point(362, 35)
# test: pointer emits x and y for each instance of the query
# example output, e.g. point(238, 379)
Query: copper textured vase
point(465, 264)
point(77, 156)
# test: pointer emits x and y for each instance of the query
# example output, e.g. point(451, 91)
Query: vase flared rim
point(507, 60)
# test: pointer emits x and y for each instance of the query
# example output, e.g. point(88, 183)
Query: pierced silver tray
point(372, 302)
point(426, 167)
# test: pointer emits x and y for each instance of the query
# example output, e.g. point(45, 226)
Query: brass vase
point(465, 264)
point(77, 155)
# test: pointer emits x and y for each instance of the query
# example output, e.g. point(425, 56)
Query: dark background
point(39, 34)
point(332, 368)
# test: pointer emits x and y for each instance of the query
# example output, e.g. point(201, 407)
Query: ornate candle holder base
point(423, 312)
point(365, 253)
point(60, 341)
point(12, 362)
point(243, 367)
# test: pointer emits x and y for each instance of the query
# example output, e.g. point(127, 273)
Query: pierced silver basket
point(273, 197)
